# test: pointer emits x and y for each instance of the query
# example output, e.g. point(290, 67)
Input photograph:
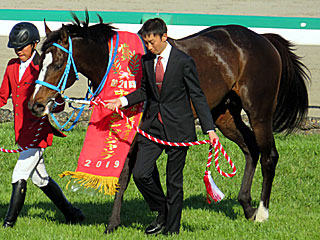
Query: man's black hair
point(155, 26)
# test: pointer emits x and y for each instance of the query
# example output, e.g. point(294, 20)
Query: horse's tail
point(292, 103)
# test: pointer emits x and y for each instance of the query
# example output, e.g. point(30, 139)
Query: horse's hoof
point(110, 229)
point(250, 214)
point(253, 217)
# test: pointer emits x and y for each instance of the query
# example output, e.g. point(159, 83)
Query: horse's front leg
point(114, 220)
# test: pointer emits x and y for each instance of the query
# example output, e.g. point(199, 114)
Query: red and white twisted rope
point(217, 144)
point(34, 141)
point(217, 147)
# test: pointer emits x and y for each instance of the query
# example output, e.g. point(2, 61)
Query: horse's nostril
point(38, 108)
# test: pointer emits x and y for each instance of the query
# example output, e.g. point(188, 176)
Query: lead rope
point(218, 147)
point(34, 141)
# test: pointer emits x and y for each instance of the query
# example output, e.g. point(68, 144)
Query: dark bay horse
point(238, 70)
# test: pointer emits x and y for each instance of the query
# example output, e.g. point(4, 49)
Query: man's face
point(155, 43)
point(24, 53)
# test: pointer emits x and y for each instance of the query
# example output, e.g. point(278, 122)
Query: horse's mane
point(100, 32)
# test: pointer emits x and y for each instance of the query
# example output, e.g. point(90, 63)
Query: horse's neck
point(172, 41)
point(93, 64)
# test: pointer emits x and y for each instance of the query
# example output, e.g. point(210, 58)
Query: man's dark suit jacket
point(180, 84)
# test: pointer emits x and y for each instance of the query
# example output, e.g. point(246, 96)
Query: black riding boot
point(53, 191)
point(18, 195)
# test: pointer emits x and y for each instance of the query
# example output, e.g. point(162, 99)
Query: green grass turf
point(294, 205)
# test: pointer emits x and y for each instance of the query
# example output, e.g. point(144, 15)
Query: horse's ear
point(47, 29)
point(64, 34)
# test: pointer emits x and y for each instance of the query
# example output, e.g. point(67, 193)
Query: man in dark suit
point(169, 81)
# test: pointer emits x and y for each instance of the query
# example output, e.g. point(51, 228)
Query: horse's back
point(229, 57)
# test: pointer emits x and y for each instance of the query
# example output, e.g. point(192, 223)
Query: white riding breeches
point(31, 164)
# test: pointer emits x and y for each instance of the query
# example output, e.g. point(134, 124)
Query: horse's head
point(57, 71)
point(76, 44)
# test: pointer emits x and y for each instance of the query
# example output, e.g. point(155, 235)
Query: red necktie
point(159, 73)
point(159, 79)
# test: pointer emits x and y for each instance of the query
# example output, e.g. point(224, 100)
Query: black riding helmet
point(22, 34)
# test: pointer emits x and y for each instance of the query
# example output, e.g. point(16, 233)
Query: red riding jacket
point(25, 124)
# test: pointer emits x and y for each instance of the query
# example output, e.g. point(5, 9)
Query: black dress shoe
point(7, 224)
point(154, 229)
point(157, 225)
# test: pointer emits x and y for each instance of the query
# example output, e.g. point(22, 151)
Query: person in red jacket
point(19, 82)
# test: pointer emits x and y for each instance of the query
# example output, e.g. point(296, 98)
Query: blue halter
point(63, 81)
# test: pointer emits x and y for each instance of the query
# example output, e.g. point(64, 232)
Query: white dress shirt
point(165, 58)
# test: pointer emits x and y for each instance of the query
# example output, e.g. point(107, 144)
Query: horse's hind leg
point(269, 159)
point(258, 92)
point(232, 127)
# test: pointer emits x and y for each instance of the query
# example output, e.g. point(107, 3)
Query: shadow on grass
point(225, 206)
point(133, 212)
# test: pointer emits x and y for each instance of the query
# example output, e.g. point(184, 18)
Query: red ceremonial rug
point(109, 137)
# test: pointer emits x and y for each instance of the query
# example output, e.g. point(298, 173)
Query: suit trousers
point(146, 176)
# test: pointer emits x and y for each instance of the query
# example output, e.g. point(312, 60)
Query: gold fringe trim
point(106, 185)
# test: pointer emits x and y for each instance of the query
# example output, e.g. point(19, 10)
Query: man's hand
point(112, 104)
point(212, 137)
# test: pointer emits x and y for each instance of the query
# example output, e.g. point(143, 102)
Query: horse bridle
point(63, 81)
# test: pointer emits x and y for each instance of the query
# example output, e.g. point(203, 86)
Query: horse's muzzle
point(37, 109)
